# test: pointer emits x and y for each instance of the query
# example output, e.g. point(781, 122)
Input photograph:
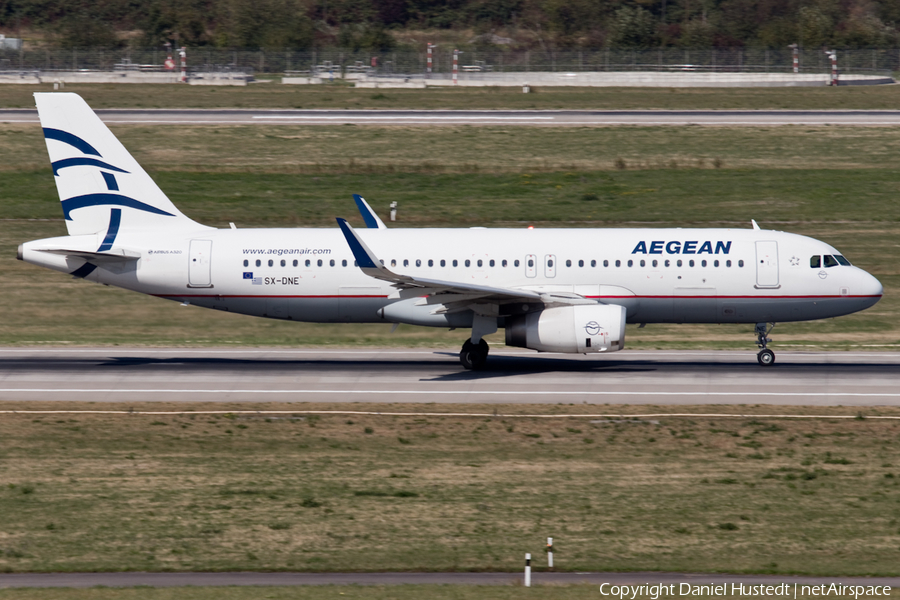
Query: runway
point(557, 118)
point(84, 580)
point(423, 376)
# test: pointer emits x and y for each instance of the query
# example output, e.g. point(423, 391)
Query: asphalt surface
point(868, 118)
point(83, 580)
point(420, 376)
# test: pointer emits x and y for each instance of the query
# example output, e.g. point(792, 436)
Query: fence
point(413, 63)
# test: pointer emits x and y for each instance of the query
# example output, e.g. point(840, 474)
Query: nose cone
point(870, 288)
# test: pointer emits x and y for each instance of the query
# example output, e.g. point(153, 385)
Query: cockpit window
point(815, 262)
point(830, 261)
point(842, 260)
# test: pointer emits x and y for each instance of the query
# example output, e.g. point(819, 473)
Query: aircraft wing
point(452, 294)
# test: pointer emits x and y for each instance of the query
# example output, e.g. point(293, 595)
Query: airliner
point(551, 290)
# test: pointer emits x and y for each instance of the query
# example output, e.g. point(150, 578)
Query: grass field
point(442, 493)
point(410, 592)
point(836, 184)
point(341, 95)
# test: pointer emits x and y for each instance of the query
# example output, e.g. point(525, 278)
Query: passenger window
point(258, 262)
point(443, 263)
point(516, 263)
point(492, 262)
point(344, 263)
point(703, 263)
point(568, 263)
point(296, 262)
point(479, 262)
point(331, 262)
point(727, 263)
point(679, 263)
point(503, 263)
point(283, 263)
point(830, 261)
point(405, 262)
point(271, 263)
point(307, 262)
point(468, 262)
point(618, 263)
point(655, 263)
point(430, 263)
point(580, 263)
point(593, 263)
point(605, 263)
point(643, 263)
point(531, 263)
point(630, 262)
point(715, 263)
point(668, 262)
point(319, 262)
point(815, 262)
point(842, 260)
point(418, 262)
point(246, 263)
point(691, 263)
point(455, 262)
point(740, 263)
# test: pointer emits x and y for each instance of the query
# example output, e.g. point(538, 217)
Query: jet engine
point(578, 329)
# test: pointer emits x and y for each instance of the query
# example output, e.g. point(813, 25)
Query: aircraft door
point(530, 265)
point(550, 265)
point(767, 264)
point(200, 264)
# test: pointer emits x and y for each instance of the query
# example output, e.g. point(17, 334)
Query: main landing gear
point(765, 357)
point(474, 356)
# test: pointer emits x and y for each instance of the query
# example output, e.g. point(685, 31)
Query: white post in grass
point(527, 570)
point(550, 553)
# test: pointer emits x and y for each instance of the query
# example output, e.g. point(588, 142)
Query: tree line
point(404, 24)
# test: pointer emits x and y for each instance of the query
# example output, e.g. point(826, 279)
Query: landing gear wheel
point(766, 357)
point(474, 356)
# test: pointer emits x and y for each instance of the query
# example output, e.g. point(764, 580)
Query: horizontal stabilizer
point(112, 256)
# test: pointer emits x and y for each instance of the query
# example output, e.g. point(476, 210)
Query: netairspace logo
point(784, 590)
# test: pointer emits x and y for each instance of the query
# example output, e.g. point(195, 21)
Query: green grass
point(332, 592)
point(836, 184)
point(317, 493)
point(341, 95)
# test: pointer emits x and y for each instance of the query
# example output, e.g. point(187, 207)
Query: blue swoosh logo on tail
point(108, 199)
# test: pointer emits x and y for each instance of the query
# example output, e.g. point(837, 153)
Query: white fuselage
point(658, 275)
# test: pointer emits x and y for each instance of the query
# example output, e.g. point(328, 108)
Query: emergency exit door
point(767, 264)
point(199, 274)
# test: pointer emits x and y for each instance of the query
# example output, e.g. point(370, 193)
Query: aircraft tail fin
point(101, 186)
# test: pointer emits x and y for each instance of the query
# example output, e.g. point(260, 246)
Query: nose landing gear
point(765, 357)
point(474, 356)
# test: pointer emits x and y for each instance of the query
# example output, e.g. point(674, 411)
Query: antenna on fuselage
point(755, 226)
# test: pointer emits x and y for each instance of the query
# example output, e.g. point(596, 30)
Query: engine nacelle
point(573, 329)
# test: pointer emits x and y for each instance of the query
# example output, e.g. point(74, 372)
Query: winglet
point(368, 215)
point(364, 257)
